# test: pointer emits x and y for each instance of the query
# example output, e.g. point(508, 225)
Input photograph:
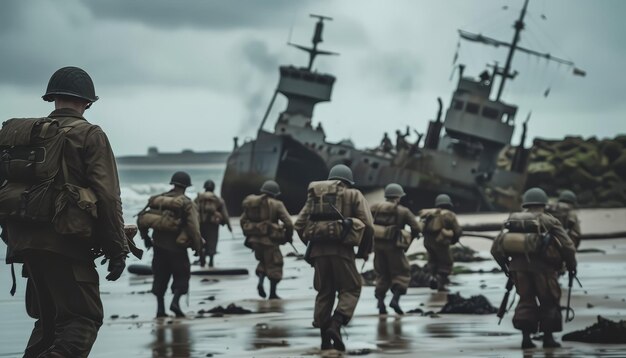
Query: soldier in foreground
point(391, 241)
point(565, 211)
point(76, 168)
point(441, 229)
point(532, 251)
point(212, 213)
point(173, 218)
point(334, 220)
point(266, 224)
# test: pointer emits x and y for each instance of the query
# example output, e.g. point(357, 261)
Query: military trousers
point(439, 257)
point(335, 277)
point(270, 261)
point(392, 269)
point(539, 306)
point(168, 264)
point(63, 296)
point(210, 233)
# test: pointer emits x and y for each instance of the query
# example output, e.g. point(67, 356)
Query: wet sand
point(283, 327)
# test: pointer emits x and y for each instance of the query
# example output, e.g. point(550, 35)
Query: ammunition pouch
point(34, 203)
point(385, 232)
point(257, 229)
point(277, 233)
point(404, 240)
point(445, 237)
point(324, 230)
point(183, 239)
point(75, 211)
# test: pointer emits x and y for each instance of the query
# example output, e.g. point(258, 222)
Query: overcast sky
point(192, 74)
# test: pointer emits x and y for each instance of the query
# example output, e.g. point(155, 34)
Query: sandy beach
point(282, 328)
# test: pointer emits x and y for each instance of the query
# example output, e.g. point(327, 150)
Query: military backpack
point(524, 234)
point(35, 181)
point(326, 222)
point(209, 208)
point(387, 226)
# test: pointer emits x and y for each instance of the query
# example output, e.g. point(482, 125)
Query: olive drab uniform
point(62, 292)
point(391, 240)
point(260, 223)
point(534, 260)
point(173, 218)
point(331, 246)
point(212, 213)
point(566, 214)
point(441, 229)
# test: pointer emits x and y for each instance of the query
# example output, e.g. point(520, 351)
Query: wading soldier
point(565, 211)
point(212, 213)
point(532, 250)
point(173, 218)
point(334, 220)
point(266, 224)
point(62, 159)
point(391, 241)
point(441, 229)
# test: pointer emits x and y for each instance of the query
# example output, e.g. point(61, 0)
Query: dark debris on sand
point(459, 254)
point(474, 305)
point(420, 277)
point(604, 331)
point(219, 311)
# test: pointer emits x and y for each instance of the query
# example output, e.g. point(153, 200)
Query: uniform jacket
point(354, 206)
point(91, 164)
point(277, 212)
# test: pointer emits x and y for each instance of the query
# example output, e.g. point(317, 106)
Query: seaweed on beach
point(604, 331)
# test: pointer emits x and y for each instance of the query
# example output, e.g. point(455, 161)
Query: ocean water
point(137, 184)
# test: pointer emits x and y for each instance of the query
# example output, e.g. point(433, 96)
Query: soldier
point(535, 271)
point(565, 211)
point(441, 229)
point(62, 292)
point(335, 218)
point(264, 234)
point(385, 144)
point(212, 213)
point(401, 142)
point(173, 218)
point(390, 243)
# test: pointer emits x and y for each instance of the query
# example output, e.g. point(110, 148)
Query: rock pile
point(594, 169)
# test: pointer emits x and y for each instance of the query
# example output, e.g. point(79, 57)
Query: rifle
point(294, 249)
point(572, 277)
point(505, 300)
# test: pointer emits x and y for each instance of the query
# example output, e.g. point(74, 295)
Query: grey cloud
point(198, 13)
point(396, 72)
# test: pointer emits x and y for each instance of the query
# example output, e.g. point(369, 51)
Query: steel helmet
point(209, 185)
point(568, 196)
point(443, 200)
point(534, 197)
point(341, 172)
point(181, 179)
point(71, 81)
point(394, 190)
point(271, 187)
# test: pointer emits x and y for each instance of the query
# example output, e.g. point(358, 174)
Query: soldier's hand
point(572, 274)
point(146, 240)
point(116, 267)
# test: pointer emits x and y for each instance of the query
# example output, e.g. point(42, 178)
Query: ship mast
point(505, 73)
point(317, 38)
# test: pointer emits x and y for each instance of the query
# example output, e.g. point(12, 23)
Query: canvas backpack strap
point(66, 129)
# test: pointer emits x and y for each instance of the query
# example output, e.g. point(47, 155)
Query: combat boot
point(326, 344)
point(334, 332)
point(273, 295)
point(395, 303)
point(433, 283)
point(442, 281)
point(381, 306)
point(175, 306)
point(260, 288)
point(549, 342)
point(527, 342)
point(160, 307)
point(211, 261)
